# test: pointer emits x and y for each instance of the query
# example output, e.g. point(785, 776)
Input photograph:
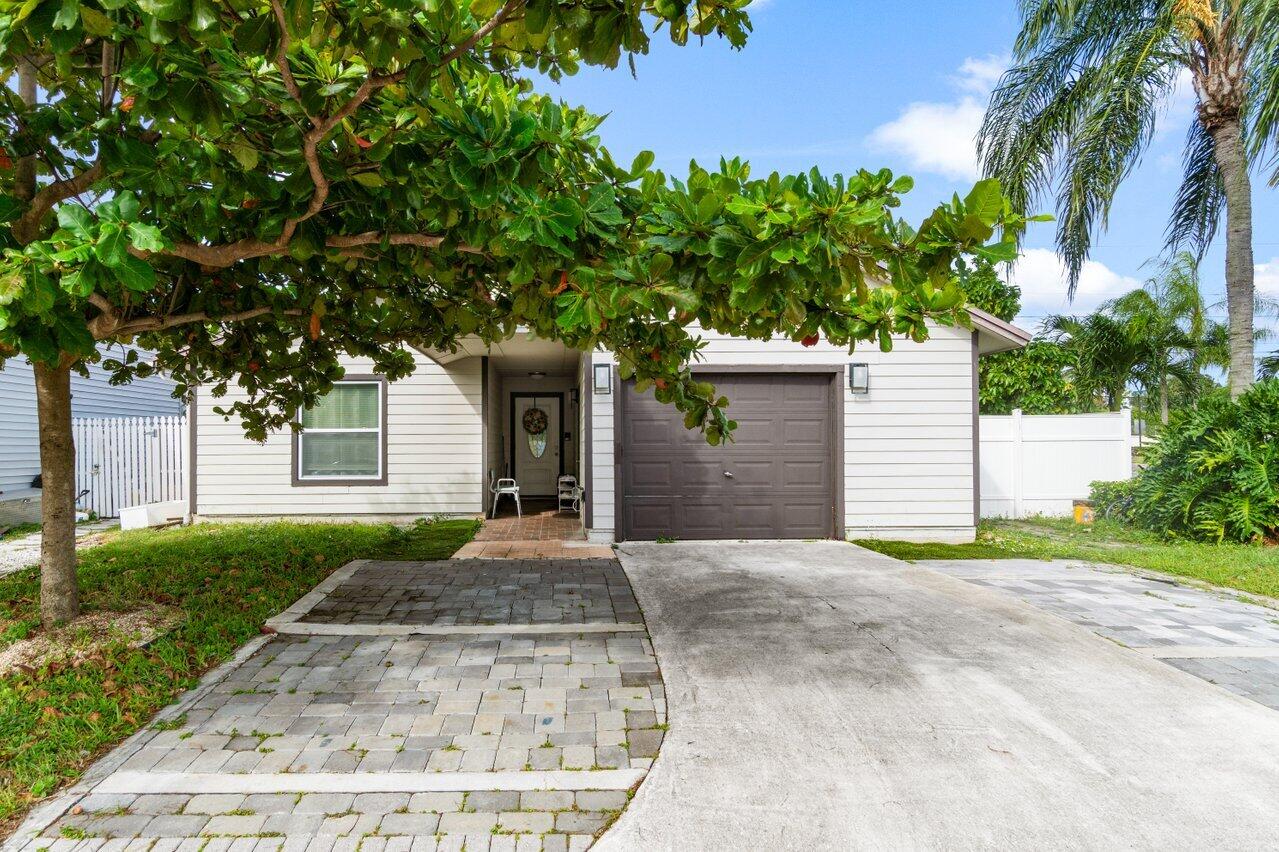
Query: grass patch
point(221, 580)
point(1249, 568)
point(19, 531)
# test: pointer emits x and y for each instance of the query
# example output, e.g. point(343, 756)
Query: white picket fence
point(1039, 464)
point(129, 461)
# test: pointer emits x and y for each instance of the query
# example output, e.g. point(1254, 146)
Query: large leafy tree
point(251, 188)
point(1080, 104)
point(1032, 378)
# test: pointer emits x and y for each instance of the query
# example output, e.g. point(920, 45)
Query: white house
point(889, 449)
point(93, 396)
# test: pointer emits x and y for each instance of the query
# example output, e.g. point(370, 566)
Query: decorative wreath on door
point(535, 421)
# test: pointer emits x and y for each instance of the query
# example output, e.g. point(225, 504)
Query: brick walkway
point(501, 741)
point(541, 522)
point(1213, 635)
point(481, 591)
point(542, 533)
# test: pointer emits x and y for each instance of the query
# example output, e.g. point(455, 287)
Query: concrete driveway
point(822, 696)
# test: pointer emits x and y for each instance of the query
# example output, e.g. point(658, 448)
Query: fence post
point(1018, 461)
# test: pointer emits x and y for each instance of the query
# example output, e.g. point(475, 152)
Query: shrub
point(1214, 474)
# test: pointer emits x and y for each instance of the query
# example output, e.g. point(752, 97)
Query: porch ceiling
point(520, 354)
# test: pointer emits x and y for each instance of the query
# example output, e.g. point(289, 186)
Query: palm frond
point(1260, 26)
point(1201, 199)
point(1079, 109)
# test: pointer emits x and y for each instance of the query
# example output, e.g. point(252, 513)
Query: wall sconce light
point(572, 396)
point(859, 378)
point(603, 379)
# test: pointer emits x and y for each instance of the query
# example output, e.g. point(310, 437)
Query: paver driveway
point(825, 697)
point(1209, 633)
point(496, 706)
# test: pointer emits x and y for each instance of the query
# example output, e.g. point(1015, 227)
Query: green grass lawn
point(211, 587)
point(19, 531)
point(1249, 568)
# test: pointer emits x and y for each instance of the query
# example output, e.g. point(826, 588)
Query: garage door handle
point(729, 475)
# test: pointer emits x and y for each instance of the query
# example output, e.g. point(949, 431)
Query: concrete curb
point(145, 783)
point(305, 629)
point(308, 602)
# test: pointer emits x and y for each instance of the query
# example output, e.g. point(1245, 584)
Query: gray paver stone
point(409, 824)
point(490, 801)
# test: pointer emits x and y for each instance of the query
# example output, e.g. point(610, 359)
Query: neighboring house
point(812, 457)
point(91, 397)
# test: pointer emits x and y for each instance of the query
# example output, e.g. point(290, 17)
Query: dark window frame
point(300, 481)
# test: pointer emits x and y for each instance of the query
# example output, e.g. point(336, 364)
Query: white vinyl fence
point(1038, 464)
point(129, 461)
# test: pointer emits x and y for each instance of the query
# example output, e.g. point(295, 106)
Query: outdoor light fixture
point(536, 374)
point(859, 378)
point(603, 383)
point(572, 395)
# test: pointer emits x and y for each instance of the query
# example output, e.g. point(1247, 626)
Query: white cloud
point(1041, 275)
point(979, 75)
point(934, 137)
point(1266, 278)
point(941, 136)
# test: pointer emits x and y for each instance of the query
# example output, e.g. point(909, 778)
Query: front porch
point(542, 532)
point(536, 430)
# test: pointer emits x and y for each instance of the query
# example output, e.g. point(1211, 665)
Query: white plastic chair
point(566, 491)
point(504, 485)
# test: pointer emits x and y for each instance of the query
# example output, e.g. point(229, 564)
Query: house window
point(343, 436)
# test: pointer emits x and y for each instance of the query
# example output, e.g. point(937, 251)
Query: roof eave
point(995, 335)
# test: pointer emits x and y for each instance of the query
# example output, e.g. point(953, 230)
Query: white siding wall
point(601, 493)
point(434, 433)
point(493, 440)
point(908, 444)
point(91, 397)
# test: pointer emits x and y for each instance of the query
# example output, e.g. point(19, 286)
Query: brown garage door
point(777, 478)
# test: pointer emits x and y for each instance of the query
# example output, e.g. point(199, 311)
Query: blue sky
point(845, 85)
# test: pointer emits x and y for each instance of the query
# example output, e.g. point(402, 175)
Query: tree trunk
point(59, 588)
point(1232, 160)
point(24, 172)
point(1163, 399)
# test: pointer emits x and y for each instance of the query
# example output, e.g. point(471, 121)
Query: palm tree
point(1080, 103)
point(1268, 368)
point(1170, 318)
point(1104, 355)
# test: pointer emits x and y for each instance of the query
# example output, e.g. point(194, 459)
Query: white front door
point(537, 462)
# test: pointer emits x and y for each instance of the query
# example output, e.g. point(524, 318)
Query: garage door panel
point(701, 519)
point(653, 475)
point(753, 433)
point(783, 482)
point(806, 519)
point(648, 432)
point(697, 477)
point(748, 392)
point(752, 518)
point(649, 520)
point(805, 432)
point(758, 473)
point(812, 394)
point(809, 475)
